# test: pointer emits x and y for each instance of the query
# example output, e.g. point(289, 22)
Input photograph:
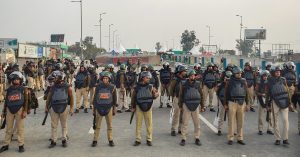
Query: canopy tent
point(162, 49)
point(195, 51)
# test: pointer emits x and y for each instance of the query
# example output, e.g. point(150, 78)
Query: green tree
point(89, 51)
point(245, 46)
point(189, 40)
point(158, 46)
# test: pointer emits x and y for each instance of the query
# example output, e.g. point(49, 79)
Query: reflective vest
point(15, 98)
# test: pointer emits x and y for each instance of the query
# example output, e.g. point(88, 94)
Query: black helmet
point(146, 74)
point(58, 66)
point(181, 68)
point(16, 75)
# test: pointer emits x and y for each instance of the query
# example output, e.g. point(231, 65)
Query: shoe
point(277, 142)
point(52, 144)
point(111, 143)
point(128, 110)
point(270, 132)
point(230, 142)
point(4, 148)
point(169, 106)
point(136, 143)
point(76, 111)
point(149, 143)
point(173, 133)
point(94, 143)
point(260, 133)
point(291, 110)
point(91, 107)
point(235, 134)
point(85, 110)
point(212, 110)
point(21, 149)
point(179, 132)
point(252, 109)
point(160, 106)
point(182, 143)
point(81, 107)
point(119, 111)
point(197, 142)
point(241, 142)
point(64, 143)
point(285, 142)
point(219, 133)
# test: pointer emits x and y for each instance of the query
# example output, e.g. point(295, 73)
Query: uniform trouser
point(40, 83)
point(185, 121)
point(235, 116)
point(221, 115)
point(129, 94)
point(250, 96)
point(62, 117)
point(140, 115)
point(70, 78)
point(262, 117)
point(164, 90)
point(108, 119)
point(30, 82)
point(79, 93)
point(10, 118)
point(92, 92)
point(291, 91)
point(122, 101)
point(177, 116)
point(210, 93)
point(285, 116)
point(1, 91)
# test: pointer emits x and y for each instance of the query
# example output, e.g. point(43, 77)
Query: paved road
point(36, 138)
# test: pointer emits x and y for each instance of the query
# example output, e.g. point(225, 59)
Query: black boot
point(219, 133)
point(277, 142)
point(149, 143)
point(197, 142)
point(168, 105)
point(252, 109)
point(76, 111)
point(21, 149)
point(4, 148)
point(64, 143)
point(285, 142)
point(182, 143)
point(136, 143)
point(179, 132)
point(85, 110)
point(241, 142)
point(260, 133)
point(81, 107)
point(94, 143)
point(270, 132)
point(52, 144)
point(111, 143)
point(230, 142)
point(212, 110)
point(161, 105)
point(173, 133)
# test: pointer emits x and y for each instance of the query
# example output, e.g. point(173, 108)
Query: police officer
point(262, 109)
point(217, 73)
point(82, 88)
point(104, 101)
point(235, 96)
point(209, 83)
point(144, 67)
point(113, 74)
point(121, 89)
point(290, 75)
point(41, 77)
point(165, 76)
point(131, 79)
point(174, 92)
point(30, 72)
point(277, 93)
point(268, 66)
point(250, 78)
point(154, 79)
point(190, 97)
point(220, 91)
point(141, 102)
point(199, 72)
point(15, 109)
point(93, 82)
point(59, 97)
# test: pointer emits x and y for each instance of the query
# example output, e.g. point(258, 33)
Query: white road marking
point(212, 127)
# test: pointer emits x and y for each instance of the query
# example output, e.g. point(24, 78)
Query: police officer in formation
point(15, 110)
point(82, 81)
point(141, 102)
point(250, 78)
point(235, 97)
point(104, 102)
point(154, 78)
point(59, 97)
point(290, 75)
point(209, 84)
point(92, 84)
point(279, 101)
point(131, 79)
point(189, 99)
point(121, 88)
point(165, 76)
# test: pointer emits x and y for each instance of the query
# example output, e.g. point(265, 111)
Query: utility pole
point(241, 28)
point(109, 36)
point(114, 38)
point(80, 1)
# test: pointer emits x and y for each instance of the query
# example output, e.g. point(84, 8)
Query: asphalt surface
point(36, 138)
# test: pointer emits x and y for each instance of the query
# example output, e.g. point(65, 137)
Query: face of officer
point(146, 80)
point(210, 68)
point(16, 82)
point(81, 69)
point(182, 74)
point(264, 77)
point(277, 73)
point(105, 80)
point(238, 75)
point(247, 67)
point(192, 77)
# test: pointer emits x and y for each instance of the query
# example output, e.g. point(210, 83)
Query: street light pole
point(241, 29)
point(109, 36)
point(114, 38)
point(100, 21)
point(80, 1)
point(208, 37)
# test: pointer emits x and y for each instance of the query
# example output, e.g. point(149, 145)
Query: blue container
point(242, 63)
point(263, 65)
point(212, 60)
point(224, 63)
point(203, 61)
point(196, 60)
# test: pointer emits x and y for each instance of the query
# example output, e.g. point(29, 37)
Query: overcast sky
point(144, 22)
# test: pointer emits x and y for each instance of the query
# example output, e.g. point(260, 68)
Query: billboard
point(6, 43)
point(255, 34)
point(57, 38)
point(28, 51)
